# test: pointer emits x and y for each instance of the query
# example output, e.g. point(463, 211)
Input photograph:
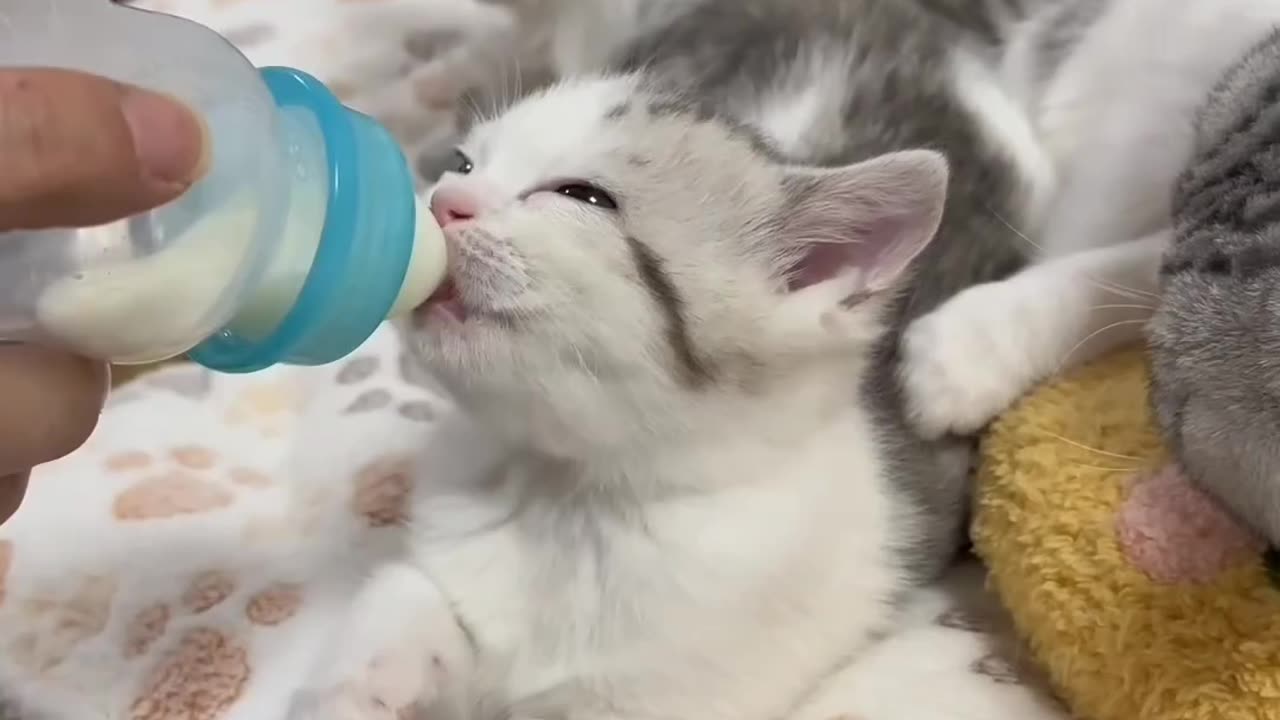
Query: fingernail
point(168, 138)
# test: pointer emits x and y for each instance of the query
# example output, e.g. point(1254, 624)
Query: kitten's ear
point(872, 218)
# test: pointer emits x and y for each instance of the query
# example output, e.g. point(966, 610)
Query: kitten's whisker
point(1104, 284)
point(1021, 235)
point(519, 76)
point(501, 93)
point(1124, 290)
point(1066, 359)
point(1104, 468)
point(1123, 307)
point(494, 109)
point(472, 107)
point(510, 79)
point(1099, 451)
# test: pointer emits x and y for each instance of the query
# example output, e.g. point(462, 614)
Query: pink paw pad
point(1175, 533)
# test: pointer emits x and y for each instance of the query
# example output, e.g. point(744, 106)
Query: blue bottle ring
point(365, 247)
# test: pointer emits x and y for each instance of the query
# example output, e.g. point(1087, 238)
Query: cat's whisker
point(1123, 289)
point(1123, 307)
point(519, 77)
point(494, 109)
point(1021, 235)
point(1089, 448)
point(1066, 358)
point(510, 79)
point(1105, 468)
point(500, 94)
point(473, 108)
point(1104, 284)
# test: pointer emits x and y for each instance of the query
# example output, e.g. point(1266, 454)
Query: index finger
point(77, 149)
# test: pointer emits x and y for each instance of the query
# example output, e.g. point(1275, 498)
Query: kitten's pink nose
point(453, 204)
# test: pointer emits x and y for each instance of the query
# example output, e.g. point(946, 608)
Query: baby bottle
point(304, 235)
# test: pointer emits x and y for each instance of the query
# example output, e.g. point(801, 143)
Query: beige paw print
point(59, 624)
point(270, 606)
point(145, 629)
point(188, 481)
point(207, 590)
point(200, 679)
point(382, 490)
point(268, 408)
point(194, 383)
point(275, 604)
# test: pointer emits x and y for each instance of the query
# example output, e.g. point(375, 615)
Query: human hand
point(75, 150)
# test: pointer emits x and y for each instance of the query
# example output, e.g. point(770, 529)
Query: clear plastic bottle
point(304, 235)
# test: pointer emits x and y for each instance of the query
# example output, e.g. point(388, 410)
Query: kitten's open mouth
point(444, 300)
point(446, 304)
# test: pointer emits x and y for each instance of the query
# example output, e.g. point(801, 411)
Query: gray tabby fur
point(1215, 340)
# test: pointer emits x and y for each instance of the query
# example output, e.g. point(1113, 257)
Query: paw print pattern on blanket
point(382, 490)
point(207, 669)
point(188, 560)
point(200, 680)
point(184, 487)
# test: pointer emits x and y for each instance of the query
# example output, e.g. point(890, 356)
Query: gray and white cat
point(676, 285)
point(1215, 340)
point(678, 278)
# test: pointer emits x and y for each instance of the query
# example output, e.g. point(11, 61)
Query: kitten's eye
point(589, 194)
point(461, 163)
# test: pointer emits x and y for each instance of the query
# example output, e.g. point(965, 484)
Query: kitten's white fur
point(1116, 122)
point(625, 562)
point(1098, 149)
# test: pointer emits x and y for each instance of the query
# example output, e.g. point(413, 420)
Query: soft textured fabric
point(1144, 600)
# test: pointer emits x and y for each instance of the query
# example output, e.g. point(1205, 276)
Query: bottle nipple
point(427, 263)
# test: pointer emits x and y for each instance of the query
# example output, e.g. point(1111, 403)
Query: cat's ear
point(869, 219)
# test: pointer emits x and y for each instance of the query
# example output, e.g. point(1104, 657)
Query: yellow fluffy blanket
point(1141, 597)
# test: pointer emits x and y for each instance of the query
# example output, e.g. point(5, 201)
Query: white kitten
point(695, 522)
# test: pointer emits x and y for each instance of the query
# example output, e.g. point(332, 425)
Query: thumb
point(12, 488)
point(77, 149)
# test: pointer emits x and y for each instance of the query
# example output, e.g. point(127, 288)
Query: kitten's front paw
point(385, 687)
point(399, 649)
point(959, 370)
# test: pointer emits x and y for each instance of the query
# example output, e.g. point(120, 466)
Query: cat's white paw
point(387, 686)
point(960, 366)
point(398, 651)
